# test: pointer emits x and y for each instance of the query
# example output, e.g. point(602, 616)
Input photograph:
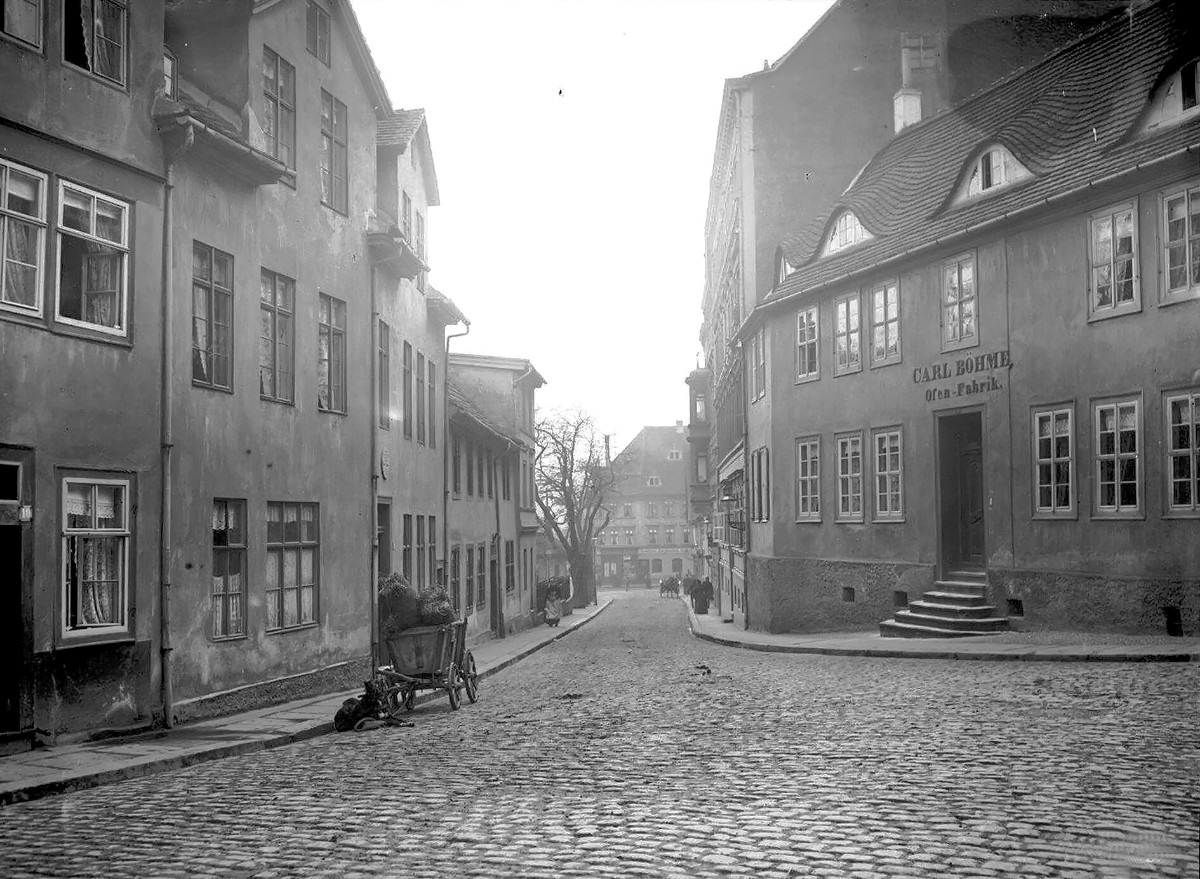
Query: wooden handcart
point(428, 658)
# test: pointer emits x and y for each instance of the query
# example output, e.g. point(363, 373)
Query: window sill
point(1177, 298)
point(67, 640)
point(338, 211)
point(17, 41)
point(1095, 317)
point(32, 319)
point(813, 520)
point(805, 379)
point(947, 347)
point(891, 361)
point(1181, 514)
point(288, 179)
point(1061, 516)
point(208, 387)
point(300, 628)
point(1099, 516)
point(341, 412)
point(838, 373)
point(840, 521)
point(111, 83)
point(279, 400)
point(83, 331)
point(888, 520)
point(222, 639)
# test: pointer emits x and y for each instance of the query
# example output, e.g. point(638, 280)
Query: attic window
point(846, 232)
point(317, 32)
point(992, 169)
point(783, 268)
point(1176, 98)
point(170, 80)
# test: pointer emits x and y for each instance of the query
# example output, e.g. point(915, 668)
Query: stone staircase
point(956, 607)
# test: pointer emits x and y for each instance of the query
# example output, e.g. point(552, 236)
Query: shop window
point(229, 568)
point(1054, 461)
point(1112, 254)
point(1118, 457)
point(22, 237)
point(655, 565)
point(93, 257)
point(277, 342)
point(96, 549)
point(212, 317)
point(293, 544)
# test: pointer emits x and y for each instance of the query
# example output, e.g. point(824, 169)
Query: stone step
point(895, 629)
point(924, 607)
point(959, 624)
point(965, 586)
point(957, 598)
point(967, 575)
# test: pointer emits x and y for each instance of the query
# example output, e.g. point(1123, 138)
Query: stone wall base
point(347, 675)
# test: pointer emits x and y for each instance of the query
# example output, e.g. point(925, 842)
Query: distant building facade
point(492, 491)
point(648, 537)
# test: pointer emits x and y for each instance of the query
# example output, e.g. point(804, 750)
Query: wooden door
point(970, 505)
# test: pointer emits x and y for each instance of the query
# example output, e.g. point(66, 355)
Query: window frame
point(123, 82)
point(420, 398)
point(1055, 510)
point(1189, 191)
point(839, 515)
point(170, 77)
point(312, 32)
point(122, 630)
point(851, 334)
point(330, 141)
point(212, 290)
point(957, 262)
point(432, 389)
point(879, 514)
point(1096, 312)
point(125, 249)
point(1118, 510)
point(41, 29)
point(481, 569)
point(228, 549)
point(275, 309)
point(406, 368)
point(892, 284)
point(510, 568)
point(469, 577)
point(757, 370)
point(1170, 509)
point(41, 224)
point(808, 480)
point(383, 380)
point(328, 328)
point(456, 444)
point(278, 106)
point(812, 338)
point(281, 547)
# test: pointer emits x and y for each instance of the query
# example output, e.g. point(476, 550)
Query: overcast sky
point(573, 141)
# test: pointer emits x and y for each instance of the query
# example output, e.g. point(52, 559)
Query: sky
point(573, 142)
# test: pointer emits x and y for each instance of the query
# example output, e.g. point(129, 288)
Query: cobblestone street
point(629, 748)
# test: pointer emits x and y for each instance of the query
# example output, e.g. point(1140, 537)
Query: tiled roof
point(399, 129)
point(1071, 119)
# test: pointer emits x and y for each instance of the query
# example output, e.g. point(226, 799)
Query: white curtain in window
point(87, 18)
point(96, 566)
point(102, 281)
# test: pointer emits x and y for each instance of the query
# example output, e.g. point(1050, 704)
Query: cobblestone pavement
point(631, 749)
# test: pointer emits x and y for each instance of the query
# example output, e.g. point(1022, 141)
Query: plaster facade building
point(790, 139)
point(492, 495)
point(82, 190)
point(979, 375)
point(648, 536)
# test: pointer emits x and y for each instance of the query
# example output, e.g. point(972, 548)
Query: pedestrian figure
point(553, 609)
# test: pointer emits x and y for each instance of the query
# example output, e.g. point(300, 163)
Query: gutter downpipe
point(496, 592)
point(745, 483)
point(373, 561)
point(166, 433)
point(446, 449)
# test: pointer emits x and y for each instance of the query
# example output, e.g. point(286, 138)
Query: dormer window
point(783, 268)
point(847, 232)
point(1176, 98)
point(992, 169)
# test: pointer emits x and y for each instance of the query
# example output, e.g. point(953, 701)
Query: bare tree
point(574, 481)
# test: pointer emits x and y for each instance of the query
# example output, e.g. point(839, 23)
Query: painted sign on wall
point(964, 376)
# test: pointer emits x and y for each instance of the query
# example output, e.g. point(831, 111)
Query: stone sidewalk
point(64, 768)
point(1026, 646)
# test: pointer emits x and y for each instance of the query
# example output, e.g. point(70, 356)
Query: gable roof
point(476, 416)
point(397, 131)
point(1067, 118)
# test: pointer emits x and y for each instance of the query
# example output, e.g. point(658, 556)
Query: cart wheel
point(470, 677)
point(453, 689)
point(410, 698)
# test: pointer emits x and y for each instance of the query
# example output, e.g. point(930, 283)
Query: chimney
point(907, 106)
point(607, 450)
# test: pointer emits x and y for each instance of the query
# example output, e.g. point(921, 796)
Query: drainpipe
point(496, 591)
point(745, 482)
point(373, 488)
point(446, 448)
point(166, 434)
